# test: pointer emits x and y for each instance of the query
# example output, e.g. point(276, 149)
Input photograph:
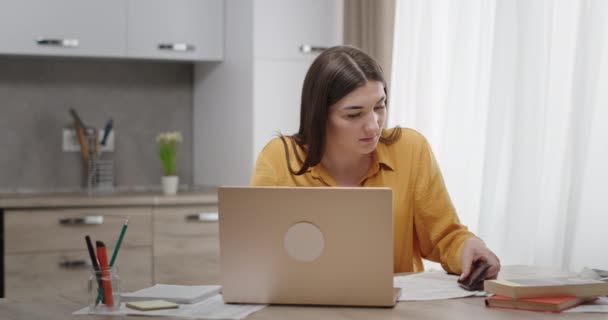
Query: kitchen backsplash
point(143, 97)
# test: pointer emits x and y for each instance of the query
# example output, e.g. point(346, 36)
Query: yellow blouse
point(425, 221)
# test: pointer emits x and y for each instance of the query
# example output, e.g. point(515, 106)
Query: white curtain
point(513, 97)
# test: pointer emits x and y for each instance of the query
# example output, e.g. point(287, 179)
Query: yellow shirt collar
point(380, 160)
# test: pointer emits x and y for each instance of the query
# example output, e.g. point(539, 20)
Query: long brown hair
point(334, 74)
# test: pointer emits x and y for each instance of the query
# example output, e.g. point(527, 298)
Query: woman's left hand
point(474, 249)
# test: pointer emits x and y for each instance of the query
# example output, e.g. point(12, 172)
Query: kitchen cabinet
point(63, 27)
point(184, 30)
point(173, 241)
point(186, 245)
point(282, 27)
point(175, 29)
point(49, 273)
point(45, 250)
point(264, 64)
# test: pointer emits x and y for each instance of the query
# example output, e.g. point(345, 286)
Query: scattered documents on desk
point(431, 285)
point(211, 308)
point(600, 306)
point(173, 293)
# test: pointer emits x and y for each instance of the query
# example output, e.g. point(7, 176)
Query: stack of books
point(543, 294)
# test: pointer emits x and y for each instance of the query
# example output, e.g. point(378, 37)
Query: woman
point(342, 142)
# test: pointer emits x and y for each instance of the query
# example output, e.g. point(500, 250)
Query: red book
point(552, 304)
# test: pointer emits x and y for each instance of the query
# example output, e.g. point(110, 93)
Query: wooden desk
point(61, 308)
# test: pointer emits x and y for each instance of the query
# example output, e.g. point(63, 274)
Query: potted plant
point(167, 150)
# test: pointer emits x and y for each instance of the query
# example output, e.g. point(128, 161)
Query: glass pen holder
point(98, 172)
point(104, 290)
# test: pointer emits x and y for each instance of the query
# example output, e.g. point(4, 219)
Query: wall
point(222, 105)
point(143, 97)
point(255, 91)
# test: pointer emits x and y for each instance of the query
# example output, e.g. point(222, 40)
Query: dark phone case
point(474, 282)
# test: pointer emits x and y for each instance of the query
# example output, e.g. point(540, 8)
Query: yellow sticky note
point(152, 305)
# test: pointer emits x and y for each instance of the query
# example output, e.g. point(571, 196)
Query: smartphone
point(474, 282)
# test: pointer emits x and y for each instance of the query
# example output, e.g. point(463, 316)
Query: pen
point(95, 265)
point(105, 273)
point(92, 253)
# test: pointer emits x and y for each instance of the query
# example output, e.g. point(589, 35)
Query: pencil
point(119, 242)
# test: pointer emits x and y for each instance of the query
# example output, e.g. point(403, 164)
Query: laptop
point(307, 245)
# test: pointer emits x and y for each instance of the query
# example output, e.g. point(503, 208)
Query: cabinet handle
point(203, 217)
point(72, 264)
point(88, 220)
point(182, 47)
point(306, 48)
point(64, 43)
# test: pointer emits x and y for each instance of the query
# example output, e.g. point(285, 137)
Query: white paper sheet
point(172, 292)
point(432, 285)
point(212, 308)
point(600, 305)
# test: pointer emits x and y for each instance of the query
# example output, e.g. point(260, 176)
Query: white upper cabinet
point(191, 30)
point(283, 27)
point(63, 27)
point(176, 29)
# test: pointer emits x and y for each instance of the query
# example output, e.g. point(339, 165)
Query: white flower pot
point(170, 184)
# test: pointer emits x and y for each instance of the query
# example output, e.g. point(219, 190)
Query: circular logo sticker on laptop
point(304, 241)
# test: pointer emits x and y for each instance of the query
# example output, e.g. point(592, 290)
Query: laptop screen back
point(306, 245)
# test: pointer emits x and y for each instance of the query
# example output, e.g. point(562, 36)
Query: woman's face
point(356, 121)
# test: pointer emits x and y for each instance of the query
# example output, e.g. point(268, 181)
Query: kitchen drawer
point(186, 250)
point(62, 229)
point(28, 274)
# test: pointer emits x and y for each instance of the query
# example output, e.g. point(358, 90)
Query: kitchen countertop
point(120, 196)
